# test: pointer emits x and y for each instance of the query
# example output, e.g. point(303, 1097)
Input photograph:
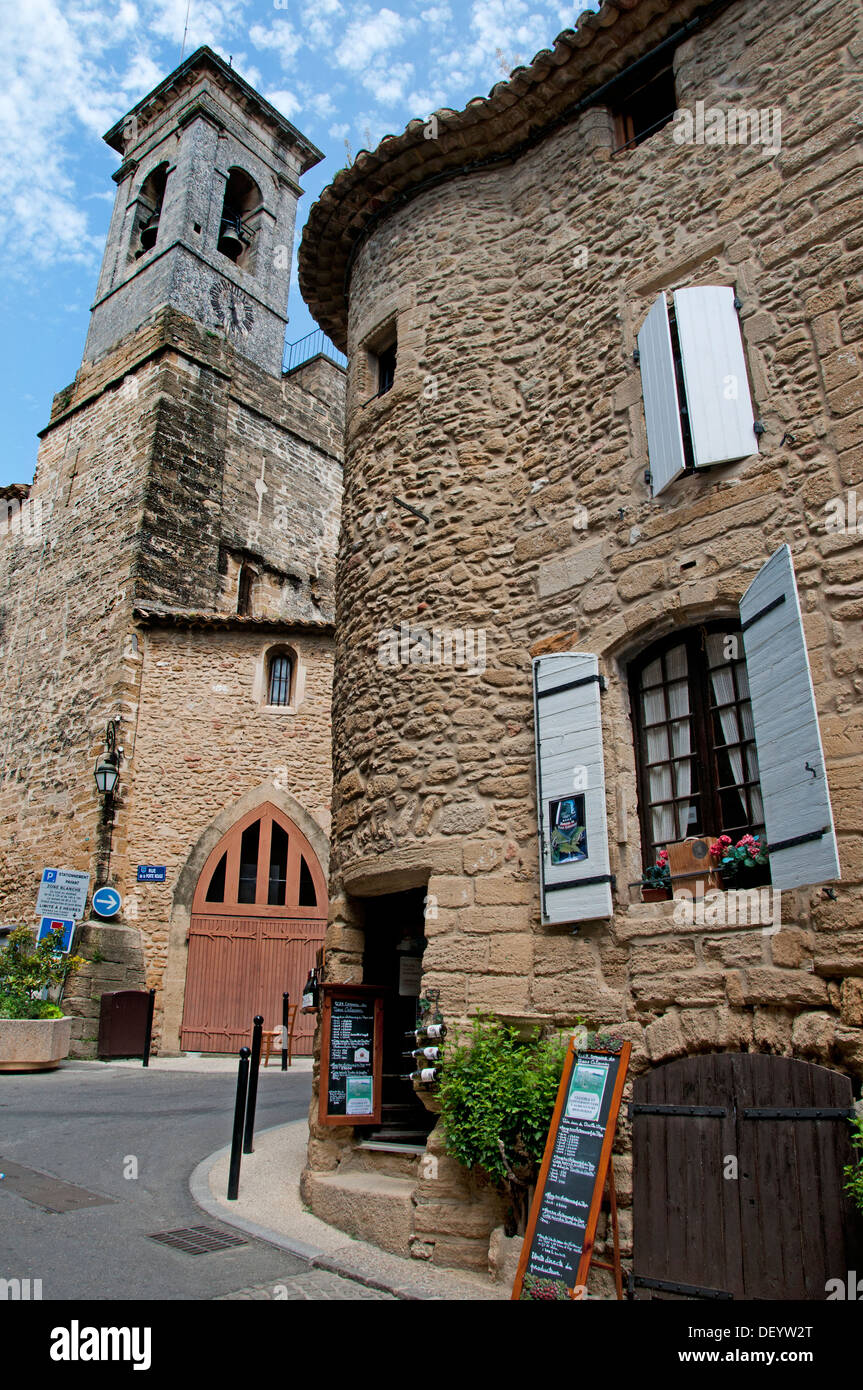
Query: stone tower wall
point(146, 478)
point(516, 425)
point(201, 129)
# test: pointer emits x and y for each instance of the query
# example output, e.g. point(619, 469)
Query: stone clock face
point(232, 308)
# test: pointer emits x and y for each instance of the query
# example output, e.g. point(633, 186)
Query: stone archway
point(181, 909)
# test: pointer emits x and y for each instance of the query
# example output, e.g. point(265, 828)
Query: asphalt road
point(82, 1124)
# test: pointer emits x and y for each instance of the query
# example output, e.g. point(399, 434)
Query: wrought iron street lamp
point(107, 769)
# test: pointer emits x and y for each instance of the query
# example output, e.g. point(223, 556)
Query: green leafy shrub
point(497, 1095)
point(854, 1171)
point(26, 968)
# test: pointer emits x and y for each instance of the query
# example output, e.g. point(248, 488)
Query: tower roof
point(204, 60)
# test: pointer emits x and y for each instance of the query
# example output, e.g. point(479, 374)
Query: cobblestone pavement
point(313, 1285)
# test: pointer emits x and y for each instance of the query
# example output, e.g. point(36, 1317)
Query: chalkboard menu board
point(352, 1024)
point(560, 1232)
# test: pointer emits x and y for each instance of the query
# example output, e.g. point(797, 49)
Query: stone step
point(372, 1206)
point(379, 1156)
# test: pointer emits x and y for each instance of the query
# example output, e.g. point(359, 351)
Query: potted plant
point(656, 880)
point(35, 1034)
point(741, 865)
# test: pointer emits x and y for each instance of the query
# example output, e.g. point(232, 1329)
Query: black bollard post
point(254, 1067)
point(148, 1036)
point(239, 1116)
point(286, 1009)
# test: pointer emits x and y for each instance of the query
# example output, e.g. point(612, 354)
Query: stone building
point(169, 578)
point(604, 334)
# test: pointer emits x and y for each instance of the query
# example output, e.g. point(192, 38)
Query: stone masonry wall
point(204, 739)
point(516, 425)
point(145, 487)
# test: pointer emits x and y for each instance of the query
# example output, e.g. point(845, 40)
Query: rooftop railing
point(312, 345)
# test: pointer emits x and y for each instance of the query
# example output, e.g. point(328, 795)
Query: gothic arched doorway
point(258, 917)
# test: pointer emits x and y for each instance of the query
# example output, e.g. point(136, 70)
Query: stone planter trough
point(34, 1044)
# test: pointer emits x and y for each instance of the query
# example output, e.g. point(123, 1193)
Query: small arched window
point(246, 591)
point(239, 219)
point(280, 677)
point(149, 211)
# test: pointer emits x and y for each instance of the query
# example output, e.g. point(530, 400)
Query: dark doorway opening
point(392, 961)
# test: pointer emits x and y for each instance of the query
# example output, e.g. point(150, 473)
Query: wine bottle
point(431, 1030)
point(426, 1075)
point(431, 1053)
point(310, 992)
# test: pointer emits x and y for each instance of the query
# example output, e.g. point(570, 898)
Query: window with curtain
point(695, 740)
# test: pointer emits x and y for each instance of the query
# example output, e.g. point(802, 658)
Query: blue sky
point(339, 70)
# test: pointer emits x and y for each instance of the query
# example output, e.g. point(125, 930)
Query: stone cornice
point(252, 102)
point(159, 614)
point(517, 114)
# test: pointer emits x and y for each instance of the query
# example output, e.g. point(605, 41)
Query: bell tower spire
point(204, 215)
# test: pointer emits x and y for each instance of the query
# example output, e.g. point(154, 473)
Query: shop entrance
point(392, 961)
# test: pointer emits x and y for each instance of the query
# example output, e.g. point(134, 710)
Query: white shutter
point(790, 756)
point(661, 409)
point(570, 769)
point(714, 373)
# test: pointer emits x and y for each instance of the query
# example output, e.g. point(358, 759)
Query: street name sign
point(151, 873)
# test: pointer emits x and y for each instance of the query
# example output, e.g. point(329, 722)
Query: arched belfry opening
point(148, 213)
point(240, 217)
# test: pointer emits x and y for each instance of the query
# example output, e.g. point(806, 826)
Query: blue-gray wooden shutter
point(661, 406)
point(797, 812)
point(718, 402)
point(569, 762)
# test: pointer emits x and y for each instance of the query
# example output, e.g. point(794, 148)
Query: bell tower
point(203, 220)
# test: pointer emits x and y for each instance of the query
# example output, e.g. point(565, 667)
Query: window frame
point(656, 71)
point(704, 754)
point(280, 654)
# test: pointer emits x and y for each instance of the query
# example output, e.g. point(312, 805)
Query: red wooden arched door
point(258, 918)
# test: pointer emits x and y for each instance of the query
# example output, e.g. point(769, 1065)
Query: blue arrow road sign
point(106, 902)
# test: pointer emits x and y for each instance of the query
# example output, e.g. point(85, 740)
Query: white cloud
point(370, 36)
point(508, 27)
point(281, 36)
point(286, 102)
point(321, 103)
point(210, 21)
point(319, 20)
point(387, 81)
point(436, 15)
point(339, 132)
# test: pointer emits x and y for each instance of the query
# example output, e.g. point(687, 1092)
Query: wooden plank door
point(738, 1179)
point(686, 1216)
